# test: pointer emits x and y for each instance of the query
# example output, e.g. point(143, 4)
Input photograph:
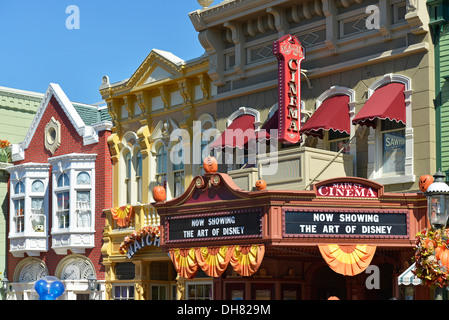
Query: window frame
point(375, 145)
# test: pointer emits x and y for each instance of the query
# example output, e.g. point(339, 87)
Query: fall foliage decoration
point(432, 257)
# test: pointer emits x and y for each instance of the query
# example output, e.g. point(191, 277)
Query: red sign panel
point(347, 190)
point(289, 53)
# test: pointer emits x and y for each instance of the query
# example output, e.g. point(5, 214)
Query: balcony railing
point(144, 215)
point(294, 169)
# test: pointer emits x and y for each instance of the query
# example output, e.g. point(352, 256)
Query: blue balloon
point(41, 287)
point(49, 288)
point(57, 288)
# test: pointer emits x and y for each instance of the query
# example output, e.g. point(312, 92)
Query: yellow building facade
point(167, 103)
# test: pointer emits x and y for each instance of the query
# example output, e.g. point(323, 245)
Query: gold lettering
point(293, 113)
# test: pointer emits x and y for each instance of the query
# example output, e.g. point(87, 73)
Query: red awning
point(387, 102)
point(333, 114)
point(237, 134)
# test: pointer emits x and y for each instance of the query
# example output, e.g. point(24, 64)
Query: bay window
point(73, 202)
point(28, 230)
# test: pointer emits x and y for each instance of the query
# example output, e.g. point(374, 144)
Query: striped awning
point(407, 277)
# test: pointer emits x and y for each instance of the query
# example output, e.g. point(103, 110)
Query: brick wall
point(71, 142)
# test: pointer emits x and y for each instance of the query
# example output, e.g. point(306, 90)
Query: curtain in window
point(83, 209)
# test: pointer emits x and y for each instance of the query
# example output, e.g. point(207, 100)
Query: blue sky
point(114, 38)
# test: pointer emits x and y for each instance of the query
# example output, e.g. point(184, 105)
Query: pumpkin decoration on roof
point(159, 193)
point(210, 164)
point(425, 181)
point(261, 184)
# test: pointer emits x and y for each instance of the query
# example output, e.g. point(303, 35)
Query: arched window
point(388, 115)
point(161, 166)
point(30, 270)
point(128, 168)
point(138, 170)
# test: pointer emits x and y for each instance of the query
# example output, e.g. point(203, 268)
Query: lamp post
point(93, 287)
point(5, 287)
point(438, 209)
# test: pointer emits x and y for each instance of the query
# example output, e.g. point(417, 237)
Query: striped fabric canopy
point(408, 278)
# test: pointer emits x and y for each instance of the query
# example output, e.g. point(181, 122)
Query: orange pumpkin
point(261, 184)
point(425, 181)
point(442, 254)
point(210, 165)
point(159, 193)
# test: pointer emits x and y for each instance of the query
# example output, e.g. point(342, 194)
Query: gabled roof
point(159, 65)
point(87, 120)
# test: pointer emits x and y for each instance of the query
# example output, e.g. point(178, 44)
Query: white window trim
point(132, 150)
point(29, 241)
point(73, 164)
point(374, 170)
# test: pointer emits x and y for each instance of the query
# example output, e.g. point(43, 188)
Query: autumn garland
point(428, 266)
point(5, 151)
point(138, 235)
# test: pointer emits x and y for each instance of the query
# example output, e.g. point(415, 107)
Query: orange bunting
point(348, 260)
point(246, 259)
point(214, 260)
point(184, 262)
point(123, 215)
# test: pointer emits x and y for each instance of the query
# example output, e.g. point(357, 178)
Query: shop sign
point(347, 190)
point(341, 223)
point(241, 224)
point(289, 52)
point(148, 240)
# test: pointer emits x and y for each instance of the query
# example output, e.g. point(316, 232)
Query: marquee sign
point(289, 52)
point(344, 223)
point(238, 224)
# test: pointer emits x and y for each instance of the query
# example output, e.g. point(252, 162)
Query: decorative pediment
point(158, 65)
point(209, 188)
point(156, 74)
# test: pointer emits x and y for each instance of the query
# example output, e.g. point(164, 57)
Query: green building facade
point(17, 110)
point(439, 23)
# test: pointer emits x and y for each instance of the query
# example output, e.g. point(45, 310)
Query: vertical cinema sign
point(289, 53)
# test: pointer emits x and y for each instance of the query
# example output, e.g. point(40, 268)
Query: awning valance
point(408, 278)
point(333, 114)
point(387, 102)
